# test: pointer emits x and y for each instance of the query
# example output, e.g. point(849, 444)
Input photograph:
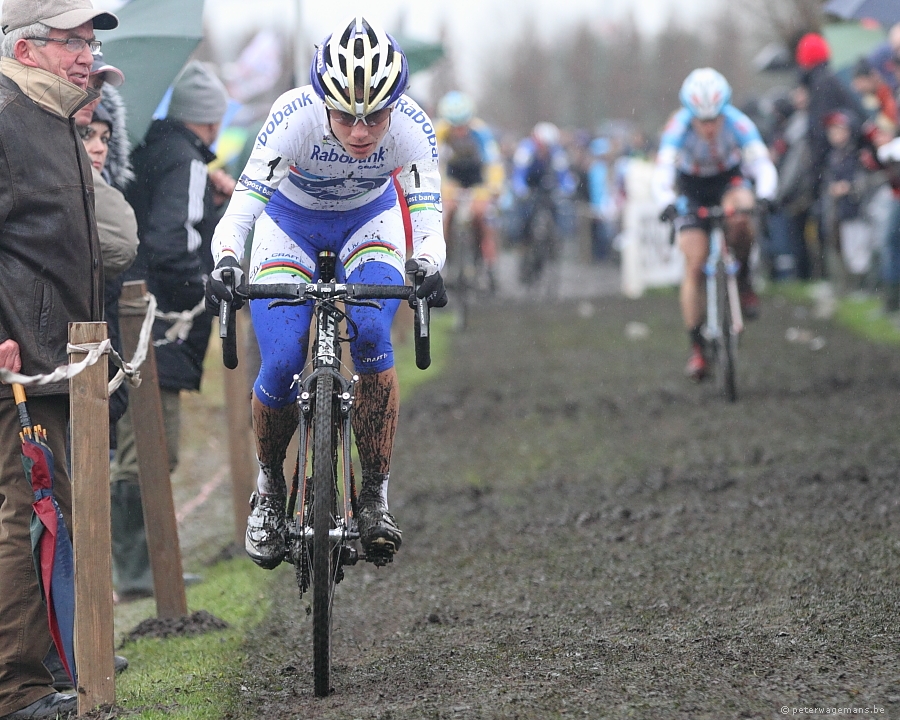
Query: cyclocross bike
point(322, 534)
point(541, 242)
point(724, 320)
point(468, 273)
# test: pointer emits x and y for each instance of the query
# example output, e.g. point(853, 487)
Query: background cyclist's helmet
point(456, 108)
point(359, 69)
point(705, 93)
point(546, 133)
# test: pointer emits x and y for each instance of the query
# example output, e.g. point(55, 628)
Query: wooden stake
point(153, 462)
point(91, 535)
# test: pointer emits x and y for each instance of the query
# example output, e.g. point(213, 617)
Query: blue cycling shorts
point(370, 244)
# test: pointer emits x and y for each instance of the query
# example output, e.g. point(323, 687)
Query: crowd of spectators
point(831, 137)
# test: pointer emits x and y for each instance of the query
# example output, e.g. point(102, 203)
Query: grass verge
point(861, 314)
point(198, 678)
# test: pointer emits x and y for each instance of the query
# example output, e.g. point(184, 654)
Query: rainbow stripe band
point(374, 247)
point(284, 266)
point(417, 202)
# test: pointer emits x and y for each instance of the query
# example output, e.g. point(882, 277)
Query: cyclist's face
point(361, 140)
point(708, 129)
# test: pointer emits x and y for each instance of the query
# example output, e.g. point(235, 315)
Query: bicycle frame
point(719, 252)
point(326, 358)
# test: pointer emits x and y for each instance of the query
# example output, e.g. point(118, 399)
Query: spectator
point(827, 94)
point(889, 157)
point(886, 59)
point(104, 134)
point(876, 98)
point(601, 196)
point(48, 239)
point(173, 199)
point(848, 235)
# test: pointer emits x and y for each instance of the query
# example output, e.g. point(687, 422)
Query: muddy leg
point(274, 428)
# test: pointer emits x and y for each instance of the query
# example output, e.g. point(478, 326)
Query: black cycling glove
point(216, 288)
point(432, 287)
point(669, 214)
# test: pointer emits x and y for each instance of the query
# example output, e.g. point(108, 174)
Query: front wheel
point(324, 552)
point(726, 351)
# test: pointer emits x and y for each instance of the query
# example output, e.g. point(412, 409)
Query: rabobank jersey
point(737, 145)
point(298, 157)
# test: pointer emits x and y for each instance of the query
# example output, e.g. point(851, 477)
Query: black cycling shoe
point(378, 532)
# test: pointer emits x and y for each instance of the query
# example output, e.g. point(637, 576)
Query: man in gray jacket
point(50, 275)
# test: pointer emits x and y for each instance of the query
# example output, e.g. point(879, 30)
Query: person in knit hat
point(174, 200)
point(827, 94)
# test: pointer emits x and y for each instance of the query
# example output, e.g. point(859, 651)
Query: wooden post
point(153, 461)
point(91, 535)
point(240, 447)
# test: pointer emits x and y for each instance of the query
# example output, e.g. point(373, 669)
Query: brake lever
point(287, 303)
point(363, 303)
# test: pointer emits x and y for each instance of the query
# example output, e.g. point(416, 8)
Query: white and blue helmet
point(705, 93)
point(456, 108)
point(359, 69)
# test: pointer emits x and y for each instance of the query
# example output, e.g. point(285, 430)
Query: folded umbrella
point(50, 542)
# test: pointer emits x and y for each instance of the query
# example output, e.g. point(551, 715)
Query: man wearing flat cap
point(50, 275)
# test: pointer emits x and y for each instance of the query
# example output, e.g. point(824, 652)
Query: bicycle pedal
point(381, 553)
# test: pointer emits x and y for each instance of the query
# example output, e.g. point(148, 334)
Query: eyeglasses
point(348, 120)
point(73, 44)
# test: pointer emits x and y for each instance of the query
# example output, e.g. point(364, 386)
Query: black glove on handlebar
point(432, 284)
point(218, 289)
point(669, 214)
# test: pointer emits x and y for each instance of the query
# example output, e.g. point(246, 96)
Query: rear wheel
point(324, 553)
point(464, 239)
point(543, 244)
point(727, 350)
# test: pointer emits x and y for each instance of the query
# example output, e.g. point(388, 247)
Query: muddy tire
point(324, 556)
point(726, 352)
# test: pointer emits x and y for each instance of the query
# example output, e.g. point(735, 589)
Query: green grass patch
point(197, 677)
point(864, 317)
point(795, 291)
point(409, 375)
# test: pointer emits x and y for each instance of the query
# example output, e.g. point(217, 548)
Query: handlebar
point(303, 292)
point(300, 293)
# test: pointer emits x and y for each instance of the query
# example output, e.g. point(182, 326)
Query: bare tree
point(581, 86)
point(786, 19)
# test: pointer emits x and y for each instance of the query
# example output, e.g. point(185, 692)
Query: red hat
point(836, 117)
point(812, 50)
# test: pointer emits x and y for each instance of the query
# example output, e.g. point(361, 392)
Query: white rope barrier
point(63, 372)
point(94, 351)
point(182, 322)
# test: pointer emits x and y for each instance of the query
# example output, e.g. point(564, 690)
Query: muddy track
point(586, 534)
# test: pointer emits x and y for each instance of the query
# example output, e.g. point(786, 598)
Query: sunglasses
point(348, 120)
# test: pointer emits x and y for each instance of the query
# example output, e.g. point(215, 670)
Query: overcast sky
point(474, 26)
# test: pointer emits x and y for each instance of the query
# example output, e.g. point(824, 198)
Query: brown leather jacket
point(51, 270)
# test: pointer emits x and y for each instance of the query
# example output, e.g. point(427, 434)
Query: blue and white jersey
point(738, 144)
point(529, 167)
point(297, 157)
